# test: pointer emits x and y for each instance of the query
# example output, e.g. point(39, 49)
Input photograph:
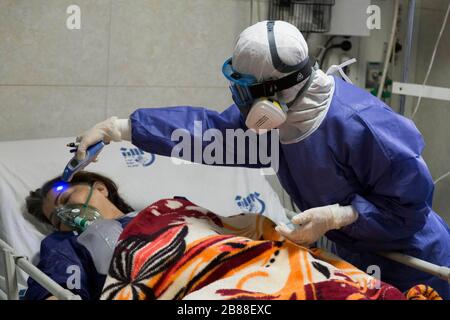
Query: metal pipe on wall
point(389, 50)
point(407, 56)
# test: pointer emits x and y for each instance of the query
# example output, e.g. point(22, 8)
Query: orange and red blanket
point(176, 250)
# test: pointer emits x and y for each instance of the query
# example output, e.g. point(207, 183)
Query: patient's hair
point(35, 199)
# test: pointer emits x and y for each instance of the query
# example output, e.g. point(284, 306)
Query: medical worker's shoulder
point(398, 135)
point(366, 118)
point(352, 100)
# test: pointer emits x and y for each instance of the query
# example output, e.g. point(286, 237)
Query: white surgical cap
point(252, 55)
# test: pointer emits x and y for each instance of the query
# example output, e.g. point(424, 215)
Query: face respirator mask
point(77, 216)
point(254, 99)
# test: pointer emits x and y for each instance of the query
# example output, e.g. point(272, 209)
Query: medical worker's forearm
point(313, 223)
point(112, 129)
point(343, 216)
point(159, 130)
point(124, 127)
point(187, 131)
point(192, 133)
point(381, 224)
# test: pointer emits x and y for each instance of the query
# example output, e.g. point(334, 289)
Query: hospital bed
point(142, 179)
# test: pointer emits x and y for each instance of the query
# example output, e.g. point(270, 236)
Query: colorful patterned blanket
point(176, 250)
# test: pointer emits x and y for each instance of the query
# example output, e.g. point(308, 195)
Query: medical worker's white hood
point(252, 56)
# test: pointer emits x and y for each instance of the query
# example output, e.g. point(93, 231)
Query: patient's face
point(77, 194)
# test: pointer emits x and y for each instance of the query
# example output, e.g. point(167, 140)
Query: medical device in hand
point(76, 165)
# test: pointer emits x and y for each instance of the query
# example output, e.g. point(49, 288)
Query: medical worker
point(351, 164)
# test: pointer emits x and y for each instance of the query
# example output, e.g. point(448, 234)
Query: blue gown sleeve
point(60, 258)
point(152, 131)
point(384, 151)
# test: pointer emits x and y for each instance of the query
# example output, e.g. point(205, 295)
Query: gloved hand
point(315, 222)
point(112, 129)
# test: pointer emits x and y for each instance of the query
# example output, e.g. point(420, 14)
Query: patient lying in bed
point(174, 249)
point(62, 257)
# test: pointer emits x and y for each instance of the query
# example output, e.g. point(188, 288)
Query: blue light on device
point(60, 186)
point(76, 165)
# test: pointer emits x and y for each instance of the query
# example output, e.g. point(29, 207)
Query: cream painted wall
point(433, 117)
point(56, 82)
point(142, 53)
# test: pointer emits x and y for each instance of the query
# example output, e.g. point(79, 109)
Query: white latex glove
point(315, 222)
point(112, 129)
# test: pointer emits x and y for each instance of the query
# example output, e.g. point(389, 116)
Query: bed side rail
point(441, 272)
point(422, 265)
point(12, 261)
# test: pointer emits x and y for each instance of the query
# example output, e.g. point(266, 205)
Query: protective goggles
point(245, 89)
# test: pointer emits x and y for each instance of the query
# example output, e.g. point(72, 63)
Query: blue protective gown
point(363, 154)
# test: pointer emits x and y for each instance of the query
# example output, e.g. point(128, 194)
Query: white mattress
point(142, 179)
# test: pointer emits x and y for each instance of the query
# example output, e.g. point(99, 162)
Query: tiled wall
point(56, 82)
point(128, 54)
